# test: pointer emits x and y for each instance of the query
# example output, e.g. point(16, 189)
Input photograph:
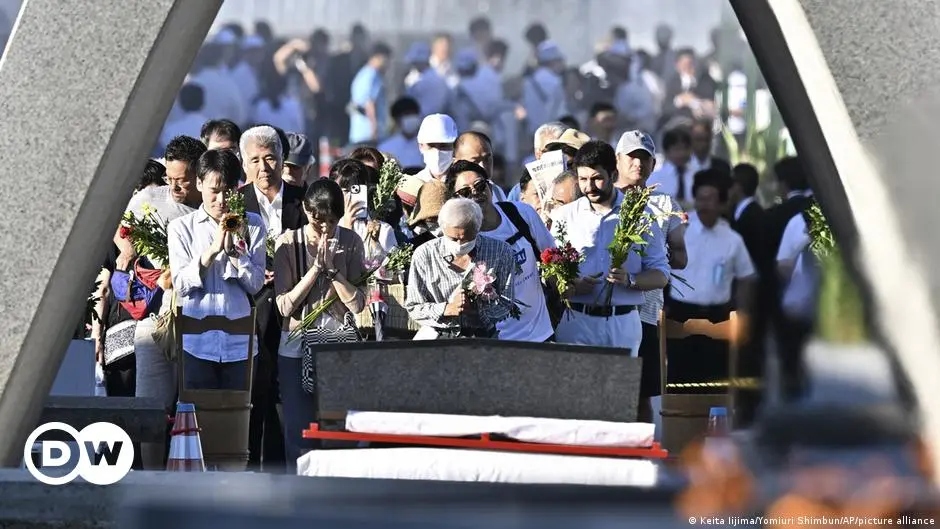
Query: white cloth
point(223, 289)
point(525, 429)
point(717, 256)
point(289, 116)
point(737, 101)
point(188, 124)
point(438, 464)
point(272, 211)
point(534, 324)
point(405, 150)
point(623, 332)
point(795, 239)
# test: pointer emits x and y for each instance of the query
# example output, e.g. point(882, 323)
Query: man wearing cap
point(429, 89)
point(543, 92)
point(636, 158)
point(568, 143)
point(436, 138)
point(590, 223)
point(297, 164)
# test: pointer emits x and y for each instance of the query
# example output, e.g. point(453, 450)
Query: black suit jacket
point(292, 218)
point(779, 215)
point(751, 226)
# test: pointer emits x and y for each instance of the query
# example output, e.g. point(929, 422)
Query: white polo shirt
point(795, 239)
point(717, 256)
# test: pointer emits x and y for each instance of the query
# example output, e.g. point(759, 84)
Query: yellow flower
point(147, 209)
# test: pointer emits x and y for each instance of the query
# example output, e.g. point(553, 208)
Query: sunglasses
point(478, 188)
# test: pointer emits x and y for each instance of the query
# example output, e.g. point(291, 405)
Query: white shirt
point(288, 116)
point(591, 232)
point(271, 211)
point(737, 101)
point(222, 290)
point(666, 180)
point(534, 324)
point(403, 149)
point(386, 243)
point(188, 124)
point(667, 213)
point(161, 201)
point(742, 205)
point(717, 256)
point(795, 239)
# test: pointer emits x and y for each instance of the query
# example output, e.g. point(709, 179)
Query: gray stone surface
point(144, 419)
point(84, 87)
point(481, 378)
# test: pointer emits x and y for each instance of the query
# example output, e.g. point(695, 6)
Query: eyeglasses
point(478, 188)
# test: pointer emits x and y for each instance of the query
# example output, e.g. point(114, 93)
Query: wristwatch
point(631, 281)
point(331, 273)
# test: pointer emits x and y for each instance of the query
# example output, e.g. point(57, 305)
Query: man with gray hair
point(436, 298)
point(544, 135)
point(280, 205)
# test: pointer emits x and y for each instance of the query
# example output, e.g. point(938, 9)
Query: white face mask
point(409, 125)
point(438, 161)
point(456, 249)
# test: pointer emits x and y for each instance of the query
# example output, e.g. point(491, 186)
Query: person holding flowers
point(312, 265)
point(604, 300)
point(448, 278)
point(217, 265)
point(156, 376)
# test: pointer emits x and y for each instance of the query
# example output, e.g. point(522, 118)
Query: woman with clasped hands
point(311, 265)
point(214, 276)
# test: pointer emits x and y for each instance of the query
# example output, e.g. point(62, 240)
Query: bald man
point(476, 147)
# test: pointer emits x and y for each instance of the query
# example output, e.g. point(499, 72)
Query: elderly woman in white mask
point(437, 298)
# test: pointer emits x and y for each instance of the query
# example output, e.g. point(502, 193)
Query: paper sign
point(544, 172)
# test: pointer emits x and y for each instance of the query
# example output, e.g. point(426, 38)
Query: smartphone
point(359, 198)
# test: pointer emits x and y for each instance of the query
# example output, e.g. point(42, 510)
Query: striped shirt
point(432, 283)
point(667, 212)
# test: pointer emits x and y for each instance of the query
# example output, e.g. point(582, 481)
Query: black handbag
point(315, 336)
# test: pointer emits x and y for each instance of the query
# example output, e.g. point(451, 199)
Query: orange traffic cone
point(185, 445)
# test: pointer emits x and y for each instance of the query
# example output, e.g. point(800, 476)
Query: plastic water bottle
point(718, 422)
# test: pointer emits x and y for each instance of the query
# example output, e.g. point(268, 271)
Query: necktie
point(680, 171)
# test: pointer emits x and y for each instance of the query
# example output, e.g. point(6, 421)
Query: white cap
point(437, 128)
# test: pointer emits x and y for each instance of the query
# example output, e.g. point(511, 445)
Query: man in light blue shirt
point(367, 120)
point(590, 222)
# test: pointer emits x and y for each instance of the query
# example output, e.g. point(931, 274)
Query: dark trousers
point(120, 380)
point(205, 374)
point(697, 358)
point(650, 382)
point(300, 410)
point(265, 434)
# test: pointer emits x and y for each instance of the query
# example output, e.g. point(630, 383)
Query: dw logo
point(104, 454)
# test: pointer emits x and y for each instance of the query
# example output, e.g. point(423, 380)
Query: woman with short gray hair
point(436, 298)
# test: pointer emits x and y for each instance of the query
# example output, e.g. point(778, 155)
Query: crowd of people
point(460, 218)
